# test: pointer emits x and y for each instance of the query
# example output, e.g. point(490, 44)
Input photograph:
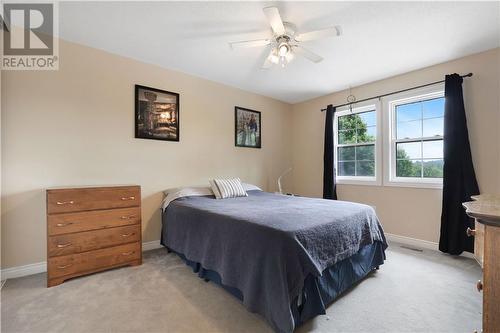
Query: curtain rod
point(394, 92)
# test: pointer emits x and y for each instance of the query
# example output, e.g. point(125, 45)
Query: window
point(416, 139)
point(356, 145)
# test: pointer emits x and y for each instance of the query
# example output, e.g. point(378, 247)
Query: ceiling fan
point(285, 42)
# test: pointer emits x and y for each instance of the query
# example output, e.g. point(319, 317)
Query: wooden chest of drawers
point(486, 210)
point(92, 229)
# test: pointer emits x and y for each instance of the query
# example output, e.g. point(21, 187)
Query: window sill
point(368, 181)
point(413, 184)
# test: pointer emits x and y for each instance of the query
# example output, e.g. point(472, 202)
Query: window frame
point(360, 180)
point(390, 139)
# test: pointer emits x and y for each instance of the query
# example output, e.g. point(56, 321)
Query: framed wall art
point(156, 114)
point(247, 128)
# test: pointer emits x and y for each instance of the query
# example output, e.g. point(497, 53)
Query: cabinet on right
point(486, 211)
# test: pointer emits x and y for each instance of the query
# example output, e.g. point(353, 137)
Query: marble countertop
point(485, 208)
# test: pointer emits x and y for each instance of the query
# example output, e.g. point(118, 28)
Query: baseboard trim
point(19, 271)
point(148, 246)
point(419, 243)
point(41, 267)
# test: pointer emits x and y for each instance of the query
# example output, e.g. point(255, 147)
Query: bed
point(284, 257)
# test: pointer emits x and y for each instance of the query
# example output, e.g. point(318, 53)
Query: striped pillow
point(227, 188)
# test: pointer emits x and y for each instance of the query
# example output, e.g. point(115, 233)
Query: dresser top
point(485, 208)
point(90, 187)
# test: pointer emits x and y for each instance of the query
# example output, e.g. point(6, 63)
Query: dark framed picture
point(156, 114)
point(247, 128)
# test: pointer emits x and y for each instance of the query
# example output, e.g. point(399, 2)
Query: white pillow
point(227, 188)
point(180, 192)
point(189, 188)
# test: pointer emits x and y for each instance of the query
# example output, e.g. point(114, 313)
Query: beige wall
point(75, 126)
point(408, 212)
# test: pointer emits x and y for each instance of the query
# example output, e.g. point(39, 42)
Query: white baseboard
point(41, 267)
point(19, 271)
point(419, 243)
point(148, 246)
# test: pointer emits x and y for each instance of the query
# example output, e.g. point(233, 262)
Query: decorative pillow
point(227, 188)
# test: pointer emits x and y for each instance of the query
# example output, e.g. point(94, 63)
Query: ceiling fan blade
point(317, 34)
point(274, 18)
point(250, 43)
point(307, 54)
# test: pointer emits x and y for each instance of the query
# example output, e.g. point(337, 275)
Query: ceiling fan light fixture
point(283, 49)
point(274, 58)
point(283, 61)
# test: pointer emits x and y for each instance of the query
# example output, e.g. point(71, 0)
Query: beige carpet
point(413, 292)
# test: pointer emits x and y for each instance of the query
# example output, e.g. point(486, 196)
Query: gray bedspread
point(266, 244)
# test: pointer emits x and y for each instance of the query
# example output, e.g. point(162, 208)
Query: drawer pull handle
point(128, 253)
point(128, 235)
point(64, 266)
point(63, 224)
point(63, 245)
point(65, 202)
point(479, 286)
point(128, 198)
point(127, 217)
point(470, 232)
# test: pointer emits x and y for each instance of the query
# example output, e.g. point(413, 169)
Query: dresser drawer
point(75, 200)
point(93, 260)
point(75, 222)
point(92, 240)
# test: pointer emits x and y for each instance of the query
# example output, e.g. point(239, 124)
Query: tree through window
point(419, 138)
point(356, 137)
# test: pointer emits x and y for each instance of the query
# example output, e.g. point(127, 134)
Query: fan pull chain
point(351, 99)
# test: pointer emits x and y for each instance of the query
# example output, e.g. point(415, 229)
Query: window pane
point(346, 168)
point(365, 153)
point(434, 108)
point(433, 168)
point(357, 128)
point(347, 122)
point(365, 168)
point(407, 112)
point(433, 127)
point(410, 150)
point(346, 154)
point(409, 130)
point(433, 149)
point(368, 118)
point(367, 134)
point(347, 136)
point(408, 168)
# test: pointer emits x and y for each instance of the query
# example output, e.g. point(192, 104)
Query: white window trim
point(389, 138)
point(358, 180)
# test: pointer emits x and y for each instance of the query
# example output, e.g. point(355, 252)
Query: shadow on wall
point(25, 224)
point(151, 216)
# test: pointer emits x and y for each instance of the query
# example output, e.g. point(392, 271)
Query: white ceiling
point(380, 39)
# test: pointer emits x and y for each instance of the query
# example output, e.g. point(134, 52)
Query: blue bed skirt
point(318, 292)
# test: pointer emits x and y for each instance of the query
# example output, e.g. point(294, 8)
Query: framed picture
point(156, 114)
point(247, 128)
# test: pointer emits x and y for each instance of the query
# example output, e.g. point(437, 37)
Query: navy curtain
point(329, 187)
point(459, 178)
